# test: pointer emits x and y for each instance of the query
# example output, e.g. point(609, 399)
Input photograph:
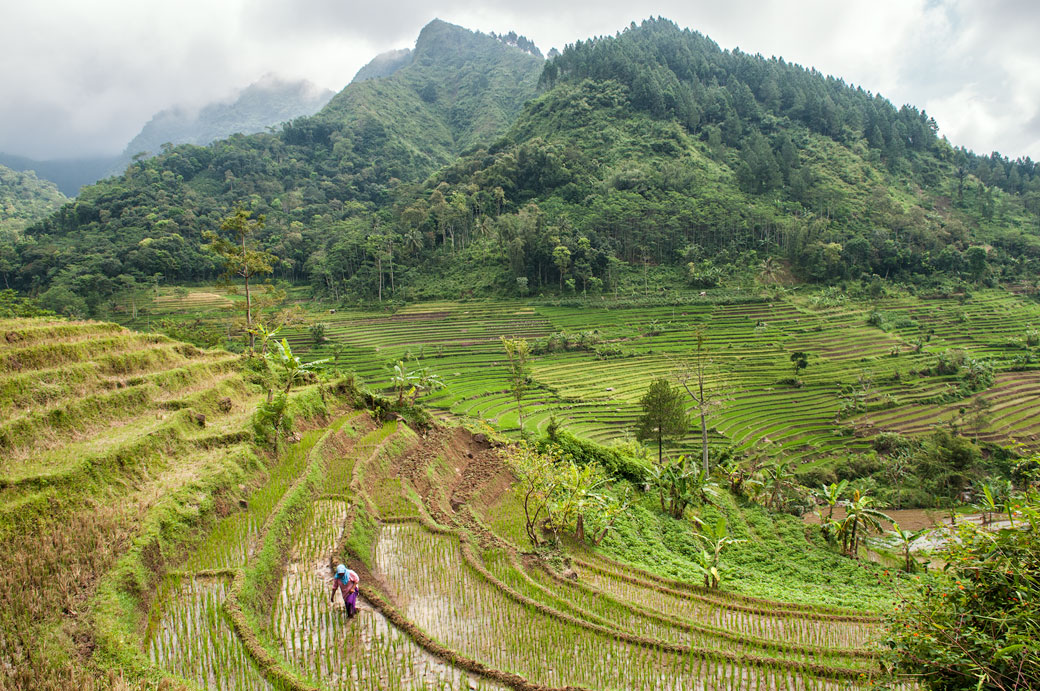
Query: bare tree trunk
point(249, 317)
point(249, 303)
point(704, 423)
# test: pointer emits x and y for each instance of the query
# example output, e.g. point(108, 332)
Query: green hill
point(658, 149)
point(25, 199)
point(460, 90)
point(652, 153)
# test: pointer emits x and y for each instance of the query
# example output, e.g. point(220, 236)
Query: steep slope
point(657, 148)
point(25, 199)
point(461, 89)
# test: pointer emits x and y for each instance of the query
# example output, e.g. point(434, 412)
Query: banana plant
point(907, 540)
point(293, 369)
point(861, 518)
point(403, 381)
point(830, 495)
point(265, 335)
point(996, 499)
point(427, 381)
point(714, 539)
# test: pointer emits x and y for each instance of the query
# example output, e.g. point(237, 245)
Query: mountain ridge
point(653, 147)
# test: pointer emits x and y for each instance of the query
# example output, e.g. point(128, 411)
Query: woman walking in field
point(346, 581)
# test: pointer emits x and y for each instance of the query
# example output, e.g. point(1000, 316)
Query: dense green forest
point(652, 151)
point(24, 200)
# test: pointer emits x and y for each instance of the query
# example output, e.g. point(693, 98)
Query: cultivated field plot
point(563, 643)
point(885, 369)
point(440, 612)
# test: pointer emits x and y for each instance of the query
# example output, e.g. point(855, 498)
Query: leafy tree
point(978, 414)
point(799, 361)
point(664, 415)
point(241, 259)
point(517, 351)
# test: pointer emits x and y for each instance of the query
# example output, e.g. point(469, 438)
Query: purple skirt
point(352, 603)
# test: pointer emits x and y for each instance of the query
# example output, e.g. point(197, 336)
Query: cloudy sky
point(81, 78)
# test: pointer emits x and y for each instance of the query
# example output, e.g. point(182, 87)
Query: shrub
point(947, 632)
point(891, 442)
point(581, 452)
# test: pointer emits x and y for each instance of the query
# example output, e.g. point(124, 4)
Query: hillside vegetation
point(460, 89)
point(652, 148)
point(24, 200)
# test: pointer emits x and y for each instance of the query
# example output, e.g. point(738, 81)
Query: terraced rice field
point(749, 346)
point(447, 602)
point(437, 611)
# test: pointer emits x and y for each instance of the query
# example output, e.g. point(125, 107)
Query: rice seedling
point(318, 639)
point(189, 638)
point(778, 626)
point(465, 612)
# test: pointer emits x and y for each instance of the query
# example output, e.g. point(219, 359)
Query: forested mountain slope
point(24, 199)
point(656, 147)
point(461, 89)
point(652, 150)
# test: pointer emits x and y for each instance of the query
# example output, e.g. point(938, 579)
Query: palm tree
point(861, 518)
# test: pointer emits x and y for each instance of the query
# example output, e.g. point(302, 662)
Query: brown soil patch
point(908, 519)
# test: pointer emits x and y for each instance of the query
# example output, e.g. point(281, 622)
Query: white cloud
point(81, 78)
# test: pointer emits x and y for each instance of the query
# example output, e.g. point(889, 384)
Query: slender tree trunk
point(704, 423)
point(249, 317)
point(249, 304)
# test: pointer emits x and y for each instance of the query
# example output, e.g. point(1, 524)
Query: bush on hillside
point(582, 452)
point(975, 624)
